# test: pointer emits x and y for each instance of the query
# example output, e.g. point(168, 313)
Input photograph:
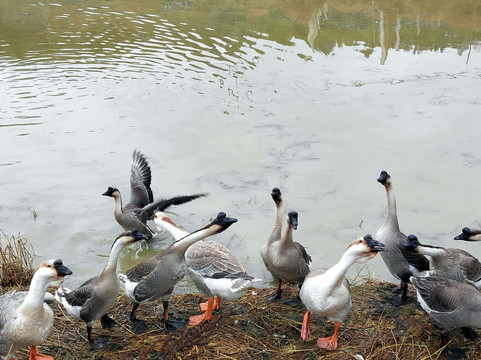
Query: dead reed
point(16, 256)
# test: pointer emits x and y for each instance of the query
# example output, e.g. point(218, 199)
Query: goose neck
point(183, 244)
point(36, 292)
point(276, 232)
point(391, 207)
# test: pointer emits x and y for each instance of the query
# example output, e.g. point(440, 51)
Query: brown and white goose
point(469, 234)
point(401, 263)
point(91, 300)
point(327, 292)
point(156, 277)
point(213, 269)
point(284, 258)
point(141, 206)
point(450, 263)
point(25, 319)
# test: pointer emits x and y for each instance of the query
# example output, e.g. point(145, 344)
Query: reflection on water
point(233, 99)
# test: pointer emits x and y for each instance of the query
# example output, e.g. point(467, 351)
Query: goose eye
point(49, 266)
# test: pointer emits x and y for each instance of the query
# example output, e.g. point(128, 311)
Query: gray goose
point(449, 304)
point(156, 277)
point(25, 319)
point(213, 269)
point(141, 206)
point(402, 264)
point(450, 263)
point(469, 234)
point(91, 300)
point(285, 259)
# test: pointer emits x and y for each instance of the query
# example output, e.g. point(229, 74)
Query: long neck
point(338, 271)
point(287, 238)
point(276, 232)
point(36, 292)
point(111, 267)
point(176, 231)
point(183, 244)
point(118, 205)
point(391, 208)
point(433, 251)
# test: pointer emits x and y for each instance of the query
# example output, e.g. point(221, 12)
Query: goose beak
point(374, 245)
point(62, 271)
point(138, 235)
point(382, 177)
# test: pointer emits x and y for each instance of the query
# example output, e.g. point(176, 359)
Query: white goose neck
point(177, 232)
point(36, 292)
point(118, 205)
point(114, 257)
point(339, 270)
point(432, 251)
point(183, 244)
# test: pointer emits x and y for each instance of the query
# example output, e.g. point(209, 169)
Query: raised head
point(365, 248)
point(112, 192)
point(221, 222)
point(130, 237)
point(276, 195)
point(412, 243)
point(384, 178)
point(293, 219)
point(469, 235)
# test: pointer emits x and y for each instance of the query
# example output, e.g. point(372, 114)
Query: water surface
point(233, 99)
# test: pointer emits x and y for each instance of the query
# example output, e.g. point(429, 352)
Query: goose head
point(160, 218)
point(112, 192)
point(384, 178)
point(469, 235)
point(53, 271)
point(221, 223)
point(412, 243)
point(365, 248)
point(276, 195)
point(130, 237)
point(293, 220)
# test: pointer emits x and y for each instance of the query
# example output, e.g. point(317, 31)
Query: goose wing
point(303, 252)
point(140, 179)
point(213, 260)
point(143, 269)
point(82, 294)
point(147, 212)
point(471, 267)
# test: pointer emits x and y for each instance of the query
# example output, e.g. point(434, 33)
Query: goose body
point(327, 293)
point(449, 304)
point(213, 269)
point(156, 277)
point(454, 264)
point(285, 259)
point(95, 297)
point(25, 319)
point(468, 234)
point(401, 263)
point(141, 206)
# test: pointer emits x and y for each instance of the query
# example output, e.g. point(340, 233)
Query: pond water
point(233, 99)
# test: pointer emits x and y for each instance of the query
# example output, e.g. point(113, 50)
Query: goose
point(449, 304)
point(141, 206)
point(454, 264)
point(468, 234)
point(401, 263)
point(213, 269)
point(91, 300)
point(327, 292)
point(156, 277)
point(285, 259)
point(25, 320)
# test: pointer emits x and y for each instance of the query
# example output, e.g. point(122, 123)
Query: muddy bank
point(252, 328)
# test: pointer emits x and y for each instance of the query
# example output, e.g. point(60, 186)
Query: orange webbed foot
point(34, 355)
point(199, 319)
point(306, 326)
point(328, 343)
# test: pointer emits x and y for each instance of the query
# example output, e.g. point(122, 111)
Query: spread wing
point(140, 179)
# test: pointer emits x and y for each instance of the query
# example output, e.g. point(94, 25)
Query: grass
point(251, 328)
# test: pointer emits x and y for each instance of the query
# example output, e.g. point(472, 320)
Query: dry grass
point(16, 256)
point(252, 328)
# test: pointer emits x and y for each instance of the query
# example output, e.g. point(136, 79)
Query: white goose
point(25, 320)
point(327, 292)
point(91, 300)
point(213, 269)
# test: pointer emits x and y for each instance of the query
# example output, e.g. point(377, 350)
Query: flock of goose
point(446, 280)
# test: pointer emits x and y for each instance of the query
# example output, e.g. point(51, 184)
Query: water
point(232, 99)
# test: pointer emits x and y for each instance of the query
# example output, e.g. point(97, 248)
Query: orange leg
point(34, 355)
point(306, 326)
point(216, 306)
point(199, 319)
point(330, 343)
